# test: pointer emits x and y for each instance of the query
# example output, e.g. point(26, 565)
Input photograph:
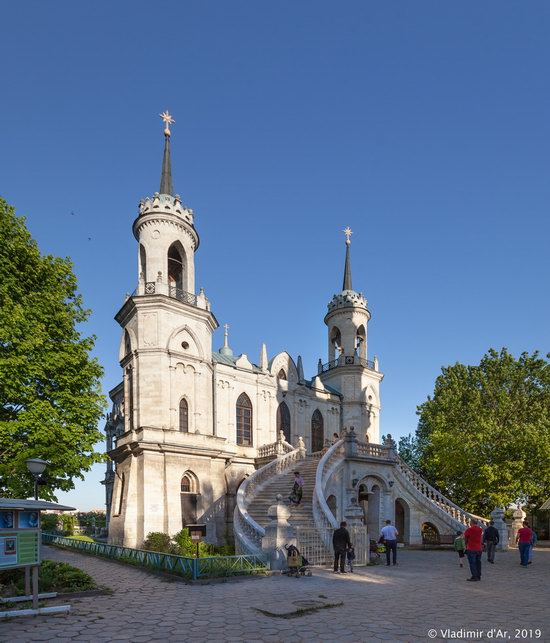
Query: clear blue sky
point(425, 126)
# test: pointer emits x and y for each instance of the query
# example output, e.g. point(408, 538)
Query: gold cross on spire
point(168, 120)
point(348, 234)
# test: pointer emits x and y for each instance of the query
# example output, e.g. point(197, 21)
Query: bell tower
point(166, 357)
point(349, 370)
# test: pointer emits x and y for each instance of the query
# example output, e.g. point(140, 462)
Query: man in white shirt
point(389, 533)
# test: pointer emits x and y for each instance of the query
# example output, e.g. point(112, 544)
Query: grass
point(86, 539)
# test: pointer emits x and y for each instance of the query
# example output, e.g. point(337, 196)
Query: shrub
point(81, 537)
point(68, 523)
point(186, 547)
point(49, 522)
point(159, 541)
point(52, 577)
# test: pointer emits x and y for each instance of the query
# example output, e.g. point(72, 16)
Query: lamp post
point(36, 468)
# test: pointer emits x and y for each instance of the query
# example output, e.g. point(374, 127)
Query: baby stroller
point(298, 565)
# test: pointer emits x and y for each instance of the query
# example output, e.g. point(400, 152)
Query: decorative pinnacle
point(348, 234)
point(168, 120)
point(225, 335)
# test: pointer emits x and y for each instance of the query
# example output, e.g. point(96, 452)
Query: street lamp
point(36, 468)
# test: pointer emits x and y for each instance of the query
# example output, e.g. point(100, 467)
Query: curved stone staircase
point(300, 516)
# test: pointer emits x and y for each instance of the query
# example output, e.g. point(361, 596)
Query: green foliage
point(484, 436)
point(50, 522)
point(158, 541)
point(186, 547)
point(50, 399)
point(182, 545)
point(68, 524)
point(53, 577)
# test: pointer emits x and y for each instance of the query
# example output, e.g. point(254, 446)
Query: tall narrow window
point(317, 431)
point(244, 420)
point(142, 262)
point(184, 416)
point(130, 397)
point(283, 420)
point(127, 343)
point(175, 267)
point(189, 488)
point(282, 375)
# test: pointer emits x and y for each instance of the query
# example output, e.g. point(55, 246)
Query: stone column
point(278, 533)
point(517, 523)
point(498, 518)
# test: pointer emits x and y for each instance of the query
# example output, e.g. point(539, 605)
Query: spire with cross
point(347, 268)
point(166, 186)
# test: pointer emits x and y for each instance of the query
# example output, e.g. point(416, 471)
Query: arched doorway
point(332, 505)
point(189, 489)
point(317, 432)
point(402, 519)
point(373, 511)
point(430, 534)
point(283, 420)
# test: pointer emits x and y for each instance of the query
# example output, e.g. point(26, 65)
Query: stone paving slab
point(426, 597)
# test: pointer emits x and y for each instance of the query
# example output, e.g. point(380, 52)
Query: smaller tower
point(349, 370)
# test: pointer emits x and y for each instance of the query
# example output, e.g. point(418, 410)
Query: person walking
point(473, 538)
point(340, 543)
point(460, 547)
point(523, 541)
point(350, 555)
point(490, 540)
point(295, 497)
point(389, 533)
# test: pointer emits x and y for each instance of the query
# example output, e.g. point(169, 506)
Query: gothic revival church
point(190, 423)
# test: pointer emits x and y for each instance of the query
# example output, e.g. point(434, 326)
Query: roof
point(18, 503)
point(546, 506)
point(230, 360)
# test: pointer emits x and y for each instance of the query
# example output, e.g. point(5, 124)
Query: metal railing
point(182, 295)
point(347, 360)
point(150, 288)
point(191, 568)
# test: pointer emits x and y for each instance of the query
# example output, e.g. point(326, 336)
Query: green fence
point(191, 568)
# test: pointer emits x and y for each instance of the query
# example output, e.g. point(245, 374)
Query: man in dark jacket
point(340, 542)
point(490, 540)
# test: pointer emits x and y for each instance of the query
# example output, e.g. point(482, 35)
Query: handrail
point(347, 360)
point(279, 447)
point(322, 515)
point(435, 497)
point(248, 533)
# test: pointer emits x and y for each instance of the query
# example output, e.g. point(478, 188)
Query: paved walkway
point(426, 591)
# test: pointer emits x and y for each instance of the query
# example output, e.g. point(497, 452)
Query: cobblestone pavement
point(426, 591)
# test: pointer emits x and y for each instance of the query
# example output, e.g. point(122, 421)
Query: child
point(460, 547)
point(350, 555)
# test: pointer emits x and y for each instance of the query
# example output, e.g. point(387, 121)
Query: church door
point(317, 433)
point(283, 420)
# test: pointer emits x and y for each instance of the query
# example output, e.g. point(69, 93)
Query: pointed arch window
point(283, 420)
point(175, 267)
point(142, 262)
point(244, 420)
point(317, 432)
point(127, 343)
point(184, 416)
point(282, 374)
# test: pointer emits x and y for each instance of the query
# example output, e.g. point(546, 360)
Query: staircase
point(302, 515)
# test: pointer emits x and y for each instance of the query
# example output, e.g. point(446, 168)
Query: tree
point(483, 438)
point(50, 397)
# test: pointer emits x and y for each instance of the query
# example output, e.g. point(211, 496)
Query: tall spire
point(347, 268)
point(166, 186)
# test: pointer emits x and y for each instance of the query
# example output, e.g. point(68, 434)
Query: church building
point(189, 423)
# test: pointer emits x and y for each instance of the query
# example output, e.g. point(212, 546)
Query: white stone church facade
point(188, 422)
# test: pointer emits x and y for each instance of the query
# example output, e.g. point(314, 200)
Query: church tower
point(166, 357)
point(349, 370)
